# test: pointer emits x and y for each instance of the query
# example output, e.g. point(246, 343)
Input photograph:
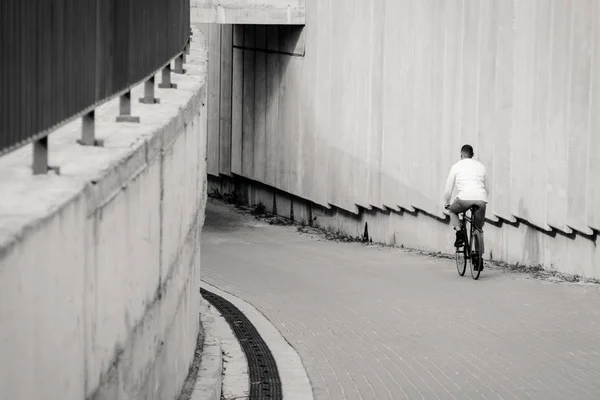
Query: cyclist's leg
point(459, 206)
point(479, 220)
point(456, 208)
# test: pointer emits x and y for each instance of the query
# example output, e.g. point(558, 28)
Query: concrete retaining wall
point(100, 266)
point(371, 114)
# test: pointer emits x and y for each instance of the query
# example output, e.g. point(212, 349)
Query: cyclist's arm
point(449, 186)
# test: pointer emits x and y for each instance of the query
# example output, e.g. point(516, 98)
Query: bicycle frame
point(473, 230)
point(472, 238)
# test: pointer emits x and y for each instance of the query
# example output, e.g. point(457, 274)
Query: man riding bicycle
point(469, 178)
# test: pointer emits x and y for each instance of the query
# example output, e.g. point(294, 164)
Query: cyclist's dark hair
point(467, 150)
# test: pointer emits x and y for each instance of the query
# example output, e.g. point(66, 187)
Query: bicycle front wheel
point(461, 260)
point(476, 260)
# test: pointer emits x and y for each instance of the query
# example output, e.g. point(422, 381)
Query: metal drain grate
point(263, 374)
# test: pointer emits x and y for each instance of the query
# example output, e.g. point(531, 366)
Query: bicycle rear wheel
point(475, 259)
point(461, 260)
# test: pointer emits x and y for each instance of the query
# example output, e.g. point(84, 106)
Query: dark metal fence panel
point(61, 57)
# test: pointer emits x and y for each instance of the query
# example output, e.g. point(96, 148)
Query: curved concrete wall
point(372, 114)
point(99, 267)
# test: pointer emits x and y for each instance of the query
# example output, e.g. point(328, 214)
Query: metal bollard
point(125, 109)
point(88, 130)
point(166, 78)
point(149, 93)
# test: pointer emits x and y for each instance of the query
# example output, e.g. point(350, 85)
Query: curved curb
point(294, 380)
point(209, 381)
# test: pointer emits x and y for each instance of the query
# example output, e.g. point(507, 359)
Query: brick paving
point(381, 323)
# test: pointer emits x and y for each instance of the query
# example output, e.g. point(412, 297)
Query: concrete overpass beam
point(255, 12)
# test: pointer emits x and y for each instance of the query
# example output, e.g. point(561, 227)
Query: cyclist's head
point(466, 151)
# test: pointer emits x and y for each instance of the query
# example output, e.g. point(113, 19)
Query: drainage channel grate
point(264, 377)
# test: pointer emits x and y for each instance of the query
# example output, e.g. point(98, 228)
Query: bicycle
point(471, 248)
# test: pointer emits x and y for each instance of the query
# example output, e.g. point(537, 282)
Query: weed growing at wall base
point(259, 211)
point(232, 198)
point(336, 236)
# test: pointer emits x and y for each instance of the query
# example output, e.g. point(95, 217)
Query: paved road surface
point(380, 323)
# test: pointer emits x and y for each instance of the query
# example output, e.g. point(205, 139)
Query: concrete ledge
point(210, 376)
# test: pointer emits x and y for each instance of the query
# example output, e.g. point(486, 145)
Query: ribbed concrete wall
point(375, 112)
point(99, 266)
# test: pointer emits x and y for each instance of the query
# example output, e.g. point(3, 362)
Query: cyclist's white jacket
point(468, 178)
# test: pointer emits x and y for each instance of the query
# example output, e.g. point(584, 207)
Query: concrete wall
point(372, 114)
point(99, 266)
